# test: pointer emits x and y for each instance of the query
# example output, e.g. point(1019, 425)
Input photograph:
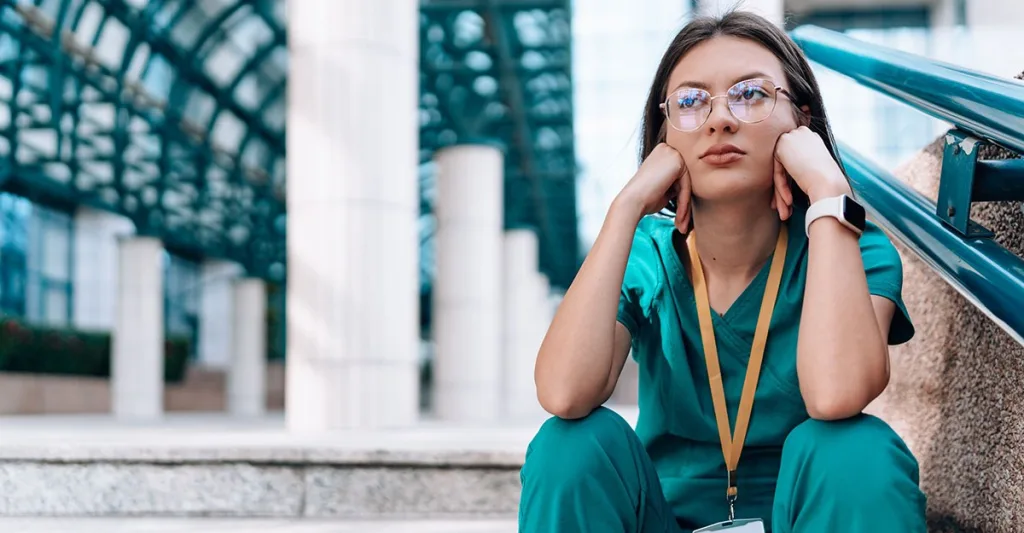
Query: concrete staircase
point(210, 465)
point(250, 525)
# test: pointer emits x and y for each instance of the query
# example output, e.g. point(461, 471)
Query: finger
point(784, 209)
point(782, 183)
point(775, 196)
point(681, 209)
point(685, 191)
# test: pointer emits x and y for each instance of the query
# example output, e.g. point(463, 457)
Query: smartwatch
point(843, 208)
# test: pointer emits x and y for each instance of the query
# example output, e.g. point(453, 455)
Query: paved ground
point(214, 525)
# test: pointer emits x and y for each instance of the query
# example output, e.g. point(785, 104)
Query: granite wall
point(957, 389)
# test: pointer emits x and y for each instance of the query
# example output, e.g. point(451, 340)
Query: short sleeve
point(884, 270)
point(640, 282)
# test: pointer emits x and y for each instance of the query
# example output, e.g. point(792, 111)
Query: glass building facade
point(37, 270)
point(36, 254)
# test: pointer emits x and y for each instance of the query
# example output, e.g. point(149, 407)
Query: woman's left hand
point(802, 154)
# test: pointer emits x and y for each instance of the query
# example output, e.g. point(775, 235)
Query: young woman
point(768, 280)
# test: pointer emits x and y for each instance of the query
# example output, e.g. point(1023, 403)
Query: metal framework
point(501, 71)
point(172, 113)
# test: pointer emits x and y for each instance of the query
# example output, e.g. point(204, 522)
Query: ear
point(804, 118)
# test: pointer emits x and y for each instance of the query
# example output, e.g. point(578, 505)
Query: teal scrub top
point(676, 420)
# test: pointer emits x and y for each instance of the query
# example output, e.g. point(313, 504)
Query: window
point(14, 213)
point(181, 299)
point(49, 259)
point(35, 261)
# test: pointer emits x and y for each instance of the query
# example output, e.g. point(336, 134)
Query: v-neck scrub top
point(676, 421)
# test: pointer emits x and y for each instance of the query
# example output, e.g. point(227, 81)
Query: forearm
point(576, 357)
point(842, 359)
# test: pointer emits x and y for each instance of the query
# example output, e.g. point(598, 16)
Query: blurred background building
point(149, 153)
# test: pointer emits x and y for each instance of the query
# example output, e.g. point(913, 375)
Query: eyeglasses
point(750, 101)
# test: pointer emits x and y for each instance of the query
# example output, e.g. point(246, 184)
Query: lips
point(722, 154)
point(721, 149)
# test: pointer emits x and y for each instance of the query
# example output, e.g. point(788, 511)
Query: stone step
point(212, 465)
point(312, 481)
point(228, 525)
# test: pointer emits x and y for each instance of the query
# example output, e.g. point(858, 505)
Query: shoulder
point(651, 241)
point(877, 249)
point(652, 232)
point(645, 268)
point(880, 254)
point(883, 268)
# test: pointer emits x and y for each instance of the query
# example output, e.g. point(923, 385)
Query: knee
point(858, 454)
point(568, 449)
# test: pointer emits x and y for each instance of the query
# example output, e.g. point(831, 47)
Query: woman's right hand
point(661, 178)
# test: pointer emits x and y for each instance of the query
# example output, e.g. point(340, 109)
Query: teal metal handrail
point(981, 104)
point(985, 273)
point(983, 109)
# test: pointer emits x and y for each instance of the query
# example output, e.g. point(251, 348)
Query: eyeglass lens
point(749, 101)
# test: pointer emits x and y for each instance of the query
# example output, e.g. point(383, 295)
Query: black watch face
point(854, 213)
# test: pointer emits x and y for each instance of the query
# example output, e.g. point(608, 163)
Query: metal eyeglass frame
point(711, 104)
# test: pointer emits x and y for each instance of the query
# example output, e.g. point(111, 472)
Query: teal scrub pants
point(593, 475)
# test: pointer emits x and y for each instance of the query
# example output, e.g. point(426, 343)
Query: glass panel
point(56, 305)
point(181, 297)
point(12, 273)
point(56, 245)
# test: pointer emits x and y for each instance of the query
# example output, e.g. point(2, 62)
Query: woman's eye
point(752, 93)
point(689, 100)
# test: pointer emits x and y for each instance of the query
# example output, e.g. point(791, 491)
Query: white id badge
point(745, 525)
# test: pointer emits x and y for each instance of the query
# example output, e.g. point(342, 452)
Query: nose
point(721, 117)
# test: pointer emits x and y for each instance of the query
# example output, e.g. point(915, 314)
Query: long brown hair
point(800, 79)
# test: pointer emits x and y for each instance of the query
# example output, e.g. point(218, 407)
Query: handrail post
point(966, 179)
point(956, 184)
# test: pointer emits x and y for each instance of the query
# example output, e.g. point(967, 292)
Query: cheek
point(685, 144)
point(763, 139)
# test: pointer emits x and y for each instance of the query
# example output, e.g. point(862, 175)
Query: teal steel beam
point(518, 5)
point(40, 180)
point(511, 86)
point(188, 71)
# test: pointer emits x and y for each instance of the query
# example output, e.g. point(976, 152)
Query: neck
point(735, 238)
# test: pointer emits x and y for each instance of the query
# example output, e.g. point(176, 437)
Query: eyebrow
point(702, 85)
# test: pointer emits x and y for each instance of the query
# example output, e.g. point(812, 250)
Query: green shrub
point(43, 350)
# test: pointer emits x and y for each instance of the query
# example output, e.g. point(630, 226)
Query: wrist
point(625, 206)
point(833, 188)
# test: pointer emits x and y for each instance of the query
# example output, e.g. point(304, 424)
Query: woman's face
point(746, 165)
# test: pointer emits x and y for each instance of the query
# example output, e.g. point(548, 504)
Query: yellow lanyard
point(732, 447)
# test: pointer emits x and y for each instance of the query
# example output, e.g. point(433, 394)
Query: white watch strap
point(827, 207)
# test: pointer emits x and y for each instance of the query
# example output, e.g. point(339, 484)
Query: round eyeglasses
point(750, 101)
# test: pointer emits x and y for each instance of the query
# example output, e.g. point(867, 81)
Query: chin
point(724, 183)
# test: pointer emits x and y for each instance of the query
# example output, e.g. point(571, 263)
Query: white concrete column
point(545, 311)
point(137, 364)
point(521, 325)
point(94, 306)
point(247, 376)
point(987, 15)
point(353, 206)
point(773, 10)
point(467, 291)
point(216, 312)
